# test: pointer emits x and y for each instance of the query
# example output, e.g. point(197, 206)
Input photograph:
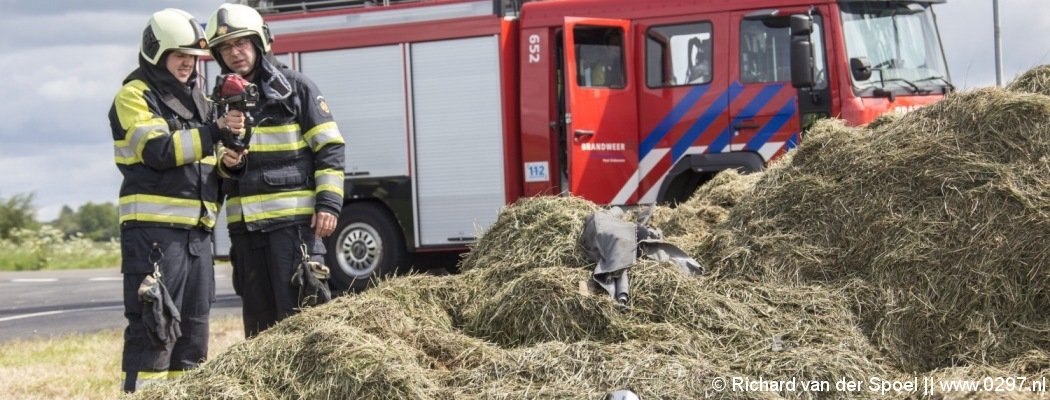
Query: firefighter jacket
point(295, 161)
point(165, 151)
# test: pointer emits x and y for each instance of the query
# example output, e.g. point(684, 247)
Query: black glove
point(311, 278)
point(159, 313)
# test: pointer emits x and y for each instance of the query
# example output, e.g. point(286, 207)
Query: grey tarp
point(614, 244)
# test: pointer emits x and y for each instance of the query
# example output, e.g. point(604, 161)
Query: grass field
point(81, 366)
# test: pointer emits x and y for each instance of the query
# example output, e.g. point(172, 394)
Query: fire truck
point(452, 109)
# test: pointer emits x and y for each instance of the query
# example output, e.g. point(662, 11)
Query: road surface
point(43, 304)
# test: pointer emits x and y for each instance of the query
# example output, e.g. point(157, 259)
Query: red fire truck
point(452, 109)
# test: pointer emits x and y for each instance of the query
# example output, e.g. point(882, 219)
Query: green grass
point(47, 249)
point(83, 366)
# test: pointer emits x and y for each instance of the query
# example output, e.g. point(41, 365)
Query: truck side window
point(765, 51)
point(599, 57)
point(678, 55)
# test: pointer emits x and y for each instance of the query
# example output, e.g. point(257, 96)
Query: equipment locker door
point(602, 114)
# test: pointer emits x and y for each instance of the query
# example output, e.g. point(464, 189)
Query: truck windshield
point(900, 42)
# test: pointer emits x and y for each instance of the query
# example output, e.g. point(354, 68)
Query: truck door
point(602, 113)
point(683, 105)
point(764, 107)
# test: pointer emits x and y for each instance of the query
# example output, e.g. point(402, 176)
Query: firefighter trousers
point(263, 264)
point(184, 259)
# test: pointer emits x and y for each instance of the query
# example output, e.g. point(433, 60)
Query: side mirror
point(801, 25)
point(860, 67)
point(801, 51)
point(801, 62)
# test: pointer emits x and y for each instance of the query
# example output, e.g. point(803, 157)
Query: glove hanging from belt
point(311, 278)
point(159, 313)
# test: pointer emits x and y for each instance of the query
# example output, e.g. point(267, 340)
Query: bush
point(48, 248)
point(17, 213)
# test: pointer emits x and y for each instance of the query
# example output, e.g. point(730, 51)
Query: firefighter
point(289, 192)
point(164, 146)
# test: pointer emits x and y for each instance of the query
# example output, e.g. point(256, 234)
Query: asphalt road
point(44, 304)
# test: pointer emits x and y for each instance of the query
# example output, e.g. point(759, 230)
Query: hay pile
point(942, 216)
point(527, 326)
point(916, 245)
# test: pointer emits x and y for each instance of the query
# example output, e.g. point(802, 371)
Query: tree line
point(92, 221)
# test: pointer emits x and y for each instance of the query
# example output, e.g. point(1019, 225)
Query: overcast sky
point(62, 62)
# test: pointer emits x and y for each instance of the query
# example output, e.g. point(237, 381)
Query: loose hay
point(543, 305)
point(1035, 80)
point(688, 225)
point(534, 232)
point(942, 212)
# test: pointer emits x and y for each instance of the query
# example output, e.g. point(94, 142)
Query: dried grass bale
point(542, 305)
point(999, 381)
point(590, 370)
point(1035, 80)
point(689, 224)
point(944, 214)
point(323, 359)
point(533, 232)
point(753, 329)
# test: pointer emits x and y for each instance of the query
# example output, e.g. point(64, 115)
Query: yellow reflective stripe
point(138, 122)
point(260, 198)
point(129, 150)
point(266, 130)
point(233, 210)
point(280, 213)
point(212, 215)
point(187, 145)
point(323, 134)
point(144, 375)
point(176, 374)
point(153, 208)
point(141, 145)
point(152, 198)
point(126, 151)
point(330, 180)
point(209, 160)
point(120, 157)
point(277, 138)
point(267, 206)
point(260, 148)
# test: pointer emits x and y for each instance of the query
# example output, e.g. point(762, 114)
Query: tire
point(367, 244)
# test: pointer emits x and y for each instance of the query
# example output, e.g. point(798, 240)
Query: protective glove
point(311, 278)
point(159, 313)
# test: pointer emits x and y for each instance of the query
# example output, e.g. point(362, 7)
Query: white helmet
point(172, 29)
point(232, 21)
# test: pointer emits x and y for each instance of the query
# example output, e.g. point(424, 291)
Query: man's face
point(180, 65)
point(239, 55)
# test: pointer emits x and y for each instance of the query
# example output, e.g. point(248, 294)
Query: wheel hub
point(360, 250)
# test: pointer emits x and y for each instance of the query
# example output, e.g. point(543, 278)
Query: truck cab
point(703, 86)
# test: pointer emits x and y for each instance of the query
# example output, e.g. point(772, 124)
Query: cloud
point(60, 95)
point(59, 175)
point(967, 30)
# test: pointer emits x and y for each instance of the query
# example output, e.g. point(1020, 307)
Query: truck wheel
point(367, 244)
